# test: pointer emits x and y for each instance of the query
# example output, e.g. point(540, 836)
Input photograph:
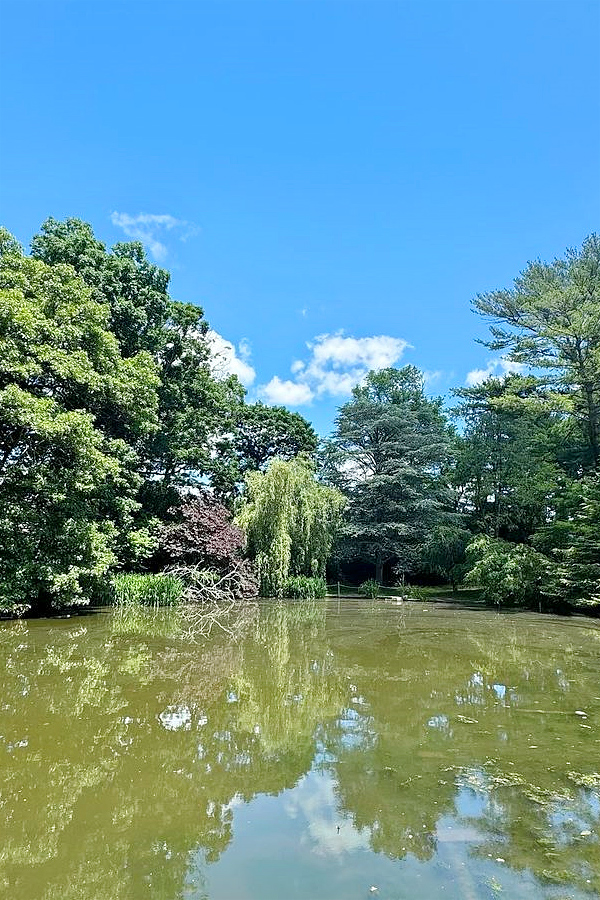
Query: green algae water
point(328, 751)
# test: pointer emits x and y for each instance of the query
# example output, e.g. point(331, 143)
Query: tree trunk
point(592, 424)
point(587, 387)
point(379, 568)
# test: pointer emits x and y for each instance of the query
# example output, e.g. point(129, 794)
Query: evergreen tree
point(572, 541)
point(506, 466)
point(387, 454)
point(550, 320)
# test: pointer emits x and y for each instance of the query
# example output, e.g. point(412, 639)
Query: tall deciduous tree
point(290, 521)
point(67, 483)
point(196, 415)
point(263, 433)
point(135, 290)
point(387, 454)
point(196, 411)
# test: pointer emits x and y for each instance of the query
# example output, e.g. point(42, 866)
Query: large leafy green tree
point(196, 411)
point(67, 481)
point(387, 455)
point(196, 414)
point(263, 433)
point(135, 290)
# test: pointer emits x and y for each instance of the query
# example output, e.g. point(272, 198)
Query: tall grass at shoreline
point(147, 590)
point(303, 587)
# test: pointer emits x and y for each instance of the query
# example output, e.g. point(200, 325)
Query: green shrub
point(369, 588)
point(507, 574)
point(147, 590)
point(412, 592)
point(301, 587)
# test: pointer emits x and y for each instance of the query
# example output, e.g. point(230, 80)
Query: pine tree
point(387, 454)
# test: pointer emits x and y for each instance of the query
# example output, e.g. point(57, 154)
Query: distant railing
point(338, 587)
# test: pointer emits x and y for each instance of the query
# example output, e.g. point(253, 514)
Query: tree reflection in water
point(127, 750)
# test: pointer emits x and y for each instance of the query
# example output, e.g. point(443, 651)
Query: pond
point(321, 751)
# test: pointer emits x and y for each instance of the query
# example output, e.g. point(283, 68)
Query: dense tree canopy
point(134, 290)
point(506, 461)
point(263, 433)
point(70, 409)
point(114, 417)
point(196, 411)
point(571, 539)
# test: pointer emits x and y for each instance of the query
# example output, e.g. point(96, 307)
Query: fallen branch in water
point(213, 599)
point(233, 618)
point(236, 584)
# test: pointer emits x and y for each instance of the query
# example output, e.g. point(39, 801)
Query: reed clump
point(302, 587)
point(147, 590)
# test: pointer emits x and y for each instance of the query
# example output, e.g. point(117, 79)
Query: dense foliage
point(387, 455)
point(264, 433)
point(72, 409)
point(206, 549)
point(110, 414)
point(125, 448)
point(202, 534)
point(290, 521)
point(506, 573)
point(550, 320)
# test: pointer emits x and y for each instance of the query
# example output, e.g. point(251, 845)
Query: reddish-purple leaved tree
point(204, 539)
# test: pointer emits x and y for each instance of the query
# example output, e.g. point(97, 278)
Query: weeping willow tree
point(289, 520)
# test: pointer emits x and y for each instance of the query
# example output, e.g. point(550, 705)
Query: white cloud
point(496, 368)
point(369, 353)
point(226, 359)
point(337, 384)
point(147, 227)
point(323, 828)
point(335, 365)
point(286, 393)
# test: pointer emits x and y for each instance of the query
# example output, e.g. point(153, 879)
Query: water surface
point(334, 751)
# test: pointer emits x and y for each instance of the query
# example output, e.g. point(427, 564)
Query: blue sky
point(332, 181)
